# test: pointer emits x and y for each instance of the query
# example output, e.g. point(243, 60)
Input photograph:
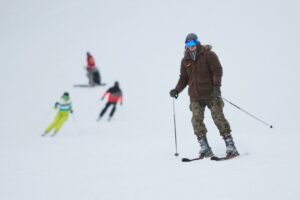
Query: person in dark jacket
point(202, 72)
point(114, 96)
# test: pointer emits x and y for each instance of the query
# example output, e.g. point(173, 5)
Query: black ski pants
point(108, 104)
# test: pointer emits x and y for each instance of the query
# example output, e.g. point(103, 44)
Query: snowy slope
point(140, 44)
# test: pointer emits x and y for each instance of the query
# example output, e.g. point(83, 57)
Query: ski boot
point(54, 134)
point(205, 151)
point(231, 150)
point(99, 118)
point(44, 134)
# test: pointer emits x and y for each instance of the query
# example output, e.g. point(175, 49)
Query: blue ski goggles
point(191, 43)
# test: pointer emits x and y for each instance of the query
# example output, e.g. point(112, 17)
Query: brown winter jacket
point(201, 75)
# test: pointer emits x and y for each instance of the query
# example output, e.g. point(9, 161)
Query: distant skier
point(65, 107)
point(202, 72)
point(92, 71)
point(114, 96)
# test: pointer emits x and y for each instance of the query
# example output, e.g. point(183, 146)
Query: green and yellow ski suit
point(65, 107)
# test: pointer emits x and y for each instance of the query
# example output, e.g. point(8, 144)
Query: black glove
point(71, 111)
point(215, 92)
point(56, 104)
point(174, 93)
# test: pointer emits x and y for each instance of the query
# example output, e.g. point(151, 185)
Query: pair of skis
point(215, 158)
point(89, 86)
point(51, 135)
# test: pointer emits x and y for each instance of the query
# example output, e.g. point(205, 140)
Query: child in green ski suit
point(65, 107)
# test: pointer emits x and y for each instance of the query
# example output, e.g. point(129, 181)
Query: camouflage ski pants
point(216, 107)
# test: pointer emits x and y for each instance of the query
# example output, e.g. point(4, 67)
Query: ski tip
point(185, 160)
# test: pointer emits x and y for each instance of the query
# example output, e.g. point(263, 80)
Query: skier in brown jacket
point(202, 72)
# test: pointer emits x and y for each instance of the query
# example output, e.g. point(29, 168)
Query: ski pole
point(122, 111)
point(47, 115)
point(43, 121)
point(94, 105)
point(74, 120)
point(176, 153)
point(253, 116)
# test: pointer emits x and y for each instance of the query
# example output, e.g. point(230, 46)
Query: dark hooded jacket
point(201, 75)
